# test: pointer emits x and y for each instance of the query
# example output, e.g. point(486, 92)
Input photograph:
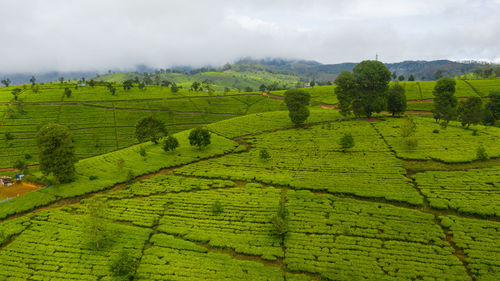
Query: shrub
point(170, 144)
point(435, 131)
point(264, 155)
point(280, 220)
point(142, 151)
point(9, 136)
point(199, 137)
point(27, 156)
point(475, 132)
point(481, 154)
point(346, 141)
point(92, 177)
point(123, 265)
point(20, 164)
point(411, 142)
point(217, 208)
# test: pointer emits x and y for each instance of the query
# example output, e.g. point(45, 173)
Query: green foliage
point(445, 102)
point(470, 111)
point(170, 143)
point(67, 92)
point(94, 227)
point(481, 154)
point(408, 127)
point(57, 151)
point(280, 220)
point(494, 104)
point(217, 208)
point(347, 141)
point(435, 131)
point(199, 137)
point(20, 164)
point(365, 90)
point(142, 151)
point(396, 100)
point(16, 92)
point(123, 265)
point(150, 129)
point(297, 101)
point(264, 154)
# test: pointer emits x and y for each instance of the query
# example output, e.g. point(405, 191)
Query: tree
point(264, 155)
point(128, 84)
point(92, 83)
point(367, 91)
point(411, 78)
point(170, 143)
point(312, 83)
point(57, 151)
point(296, 101)
point(401, 78)
point(408, 130)
point(280, 221)
point(262, 88)
point(199, 137)
point(345, 91)
point(150, 129)
point(141, 86)
point(481, 154)
point(6, 82)
point(396, 100)
point(61, 79)
point(195, 86)
point(445, 102)
point(16, 92)
point(248, 89)
point(394, 76)
point(470, 111)
point(494, 104)
point(67, 92)
point(33, 80)
point(347, 141)
point(123, 266)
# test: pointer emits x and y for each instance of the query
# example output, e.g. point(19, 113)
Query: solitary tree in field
point(470, 111)
point(411, 78)
point(67, 92)
point(262, 88)
point(94, 225)
point(494, 104)
point(445, 102)
point(150, 129)
point(394, 76)
point(401, 78)
point(170, 143)
point(365, 90)
point(312, 83)
point(347, 141)
point(407, 131)
point(396, 100)
point(195, 86)
point(61, 79)
point(33, 80)
point(199, 137)
point(127, 85)
point(57, 151)
point(296, 101)
point(6, 82)
point(16, 92)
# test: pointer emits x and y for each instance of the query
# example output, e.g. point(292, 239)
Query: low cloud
point(69, 35)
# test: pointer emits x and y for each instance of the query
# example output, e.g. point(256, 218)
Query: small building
point(6, 181)
point(19, 176)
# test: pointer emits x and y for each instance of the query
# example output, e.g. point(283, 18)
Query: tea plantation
point(265, 200)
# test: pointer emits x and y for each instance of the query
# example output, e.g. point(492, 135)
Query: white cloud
point(97, 35)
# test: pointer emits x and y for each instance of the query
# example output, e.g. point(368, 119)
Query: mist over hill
point(303, 70)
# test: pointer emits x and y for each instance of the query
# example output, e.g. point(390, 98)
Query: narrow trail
point(473, 88)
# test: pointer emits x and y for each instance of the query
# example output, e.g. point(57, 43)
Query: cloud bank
point(73, 35)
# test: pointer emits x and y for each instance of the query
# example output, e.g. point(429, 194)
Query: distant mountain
point(303, 70)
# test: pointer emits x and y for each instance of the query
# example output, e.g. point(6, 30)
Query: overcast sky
point(73, 35)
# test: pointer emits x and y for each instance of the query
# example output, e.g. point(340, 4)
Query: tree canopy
point(365, 90)
point(470, 111)
point(396, 100)
point(57, 151)
point(296, 101)
point(151, 129)
point(445, 102)
point(199, 137)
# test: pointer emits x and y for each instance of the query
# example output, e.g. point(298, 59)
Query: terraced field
point(207, 214)
point(101, 123)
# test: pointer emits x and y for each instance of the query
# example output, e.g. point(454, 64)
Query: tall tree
point(470, 111)
point(6, 82)
point(346, 91)
point(150, 129)
point(394, 76)
point(33, 80)
point(369, 92)
point(61, 79)
point(296, 101)
point(411, 78)
point(396, 100)
point(401, 78)
point(57, 151)
point(494, 104)
point(195, 86)
point(445, 102)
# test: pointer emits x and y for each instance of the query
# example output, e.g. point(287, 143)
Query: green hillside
point(360, 214)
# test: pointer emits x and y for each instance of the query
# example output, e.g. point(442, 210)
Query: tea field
point(209, 214)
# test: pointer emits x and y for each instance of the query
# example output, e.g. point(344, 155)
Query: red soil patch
point(17, 189)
